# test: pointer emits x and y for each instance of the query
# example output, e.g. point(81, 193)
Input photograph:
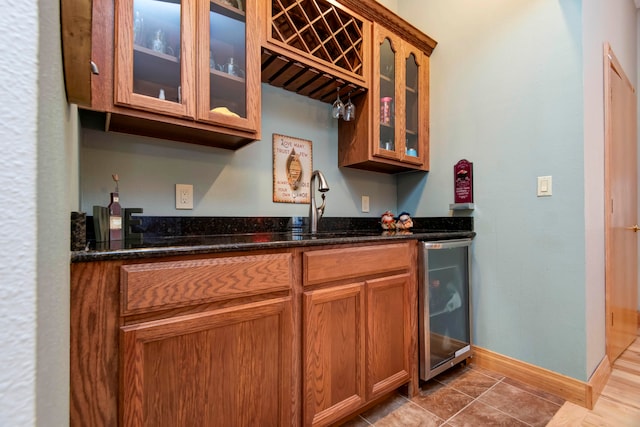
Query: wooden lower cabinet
point(358, 332)
point(185, 341)
point(215, 368)
point(265, 338)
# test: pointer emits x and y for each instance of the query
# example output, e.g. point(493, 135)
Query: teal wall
point(228, 183)
point(517, 88)
point(507, 94)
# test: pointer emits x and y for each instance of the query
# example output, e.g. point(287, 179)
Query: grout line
point(519, 388)
point(426, 410)
point(477, 399)
point(470, 403)
point(364, 419)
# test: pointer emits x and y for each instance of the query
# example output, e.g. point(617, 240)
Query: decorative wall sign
point(463, 181)
point(292, 167)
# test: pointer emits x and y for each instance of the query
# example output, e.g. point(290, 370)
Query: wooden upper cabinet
point(194, 59)
point(186, 70)
point(394, 135)
point(155, 56)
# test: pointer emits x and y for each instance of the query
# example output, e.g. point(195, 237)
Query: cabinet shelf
point(155, 66)
point(226, 76)
point(228, 10)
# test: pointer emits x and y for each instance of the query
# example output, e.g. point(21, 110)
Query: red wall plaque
point(463, 181)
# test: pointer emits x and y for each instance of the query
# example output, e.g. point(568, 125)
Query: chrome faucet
point(315, 213)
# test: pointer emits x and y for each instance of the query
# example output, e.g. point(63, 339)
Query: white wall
point(507, 94)
point(228, 183)
point(392, 5)
point(18, 275)
point(34, 206)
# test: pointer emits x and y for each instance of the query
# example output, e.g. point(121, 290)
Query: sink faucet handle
point(321, 207)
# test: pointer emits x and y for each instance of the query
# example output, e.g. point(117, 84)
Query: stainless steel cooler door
point(445, 332)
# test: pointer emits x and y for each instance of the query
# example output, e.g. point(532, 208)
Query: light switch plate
point(544, 186)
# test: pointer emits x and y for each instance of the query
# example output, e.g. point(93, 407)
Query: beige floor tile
point(520, 404)
point(478, 414)
point(410, 415)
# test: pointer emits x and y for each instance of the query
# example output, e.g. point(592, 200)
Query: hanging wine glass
point(349, 110)
point(337, 110)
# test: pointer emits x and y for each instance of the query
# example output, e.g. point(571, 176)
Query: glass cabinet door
point(387, 96)
point(386, 119)
point(412, 148)
point(152, 68)
point(226, 69)
point(415, 117)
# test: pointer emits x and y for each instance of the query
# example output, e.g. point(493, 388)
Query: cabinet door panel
point(228, 67)
point(333, 353)
point(154, 57)
point(387, 95)
point(416, 101)
point(388, 333)
point(219, 368)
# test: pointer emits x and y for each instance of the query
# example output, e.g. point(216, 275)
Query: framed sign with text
point(292, 167)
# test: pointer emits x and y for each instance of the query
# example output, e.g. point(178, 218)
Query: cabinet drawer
point(160, 285)
point(335, 264)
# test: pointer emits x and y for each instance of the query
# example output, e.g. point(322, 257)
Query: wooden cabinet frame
point(124, 111)
point(114, 343)
point(359, 140)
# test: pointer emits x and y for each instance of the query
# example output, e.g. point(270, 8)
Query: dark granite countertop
point(169, 236)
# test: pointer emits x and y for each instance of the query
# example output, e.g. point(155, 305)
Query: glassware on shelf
point(232, 69)
point(349, 110)
point(157, 43)
point(337, 109)
point(138, 28)
point(212, 62)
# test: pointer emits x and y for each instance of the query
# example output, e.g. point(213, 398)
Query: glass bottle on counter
point(115, 214)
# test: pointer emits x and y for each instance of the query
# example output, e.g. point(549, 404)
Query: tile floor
point(465, 396)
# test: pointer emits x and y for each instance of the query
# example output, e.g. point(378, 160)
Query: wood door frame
point(610, 61)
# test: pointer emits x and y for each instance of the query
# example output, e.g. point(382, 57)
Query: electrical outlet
point(184, 196)
point(365, 203)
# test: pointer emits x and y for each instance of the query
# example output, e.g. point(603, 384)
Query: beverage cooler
point(444, 308)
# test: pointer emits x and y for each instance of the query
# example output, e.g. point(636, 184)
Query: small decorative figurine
point(404, 221)
point(387, 221)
